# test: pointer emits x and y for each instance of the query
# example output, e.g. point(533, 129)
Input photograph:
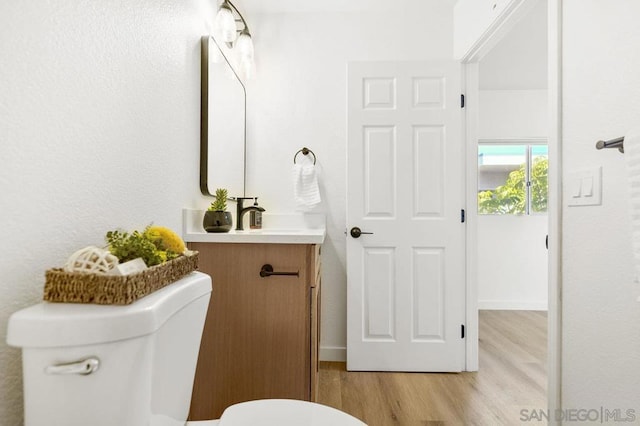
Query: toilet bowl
point(105, 365)
point(281, 412)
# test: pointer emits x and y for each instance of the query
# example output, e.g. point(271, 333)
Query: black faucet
point(241, 210)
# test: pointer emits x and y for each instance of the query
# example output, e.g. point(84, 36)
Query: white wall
point(512, 113)
point(99, 128)
point(512, 262)
point(472, 20)
point(519, 60)
point(300, 99)
point(601, 100)
point(512, 258)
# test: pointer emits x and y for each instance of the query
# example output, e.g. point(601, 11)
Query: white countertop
point(297, 228)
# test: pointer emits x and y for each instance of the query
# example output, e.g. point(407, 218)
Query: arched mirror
point(222, 122)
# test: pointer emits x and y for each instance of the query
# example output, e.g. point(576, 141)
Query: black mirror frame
point(204, 117)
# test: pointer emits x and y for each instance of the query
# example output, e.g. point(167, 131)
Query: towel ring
point(304, 151)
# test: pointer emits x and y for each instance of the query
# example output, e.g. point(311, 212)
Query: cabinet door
point(256, 337)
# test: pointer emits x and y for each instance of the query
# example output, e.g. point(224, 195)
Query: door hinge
point(462, 216)
point(462, 331)
point(461, 101)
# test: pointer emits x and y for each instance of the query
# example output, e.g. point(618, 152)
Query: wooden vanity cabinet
point(261, 335)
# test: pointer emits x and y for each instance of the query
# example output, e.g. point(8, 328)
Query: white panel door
point(405, 297)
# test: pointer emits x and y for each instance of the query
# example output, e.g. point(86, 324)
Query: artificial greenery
point(127, 247)
point(220, 204)
point(165, 239)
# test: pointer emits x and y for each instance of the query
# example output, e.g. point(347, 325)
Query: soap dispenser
point(255, 217)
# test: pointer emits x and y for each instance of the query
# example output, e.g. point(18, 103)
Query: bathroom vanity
point(262, 330)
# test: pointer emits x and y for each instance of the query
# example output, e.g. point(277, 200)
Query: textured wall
point(601, 317)
point(99, 128)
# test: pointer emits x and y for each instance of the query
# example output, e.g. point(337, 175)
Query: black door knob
point(356, 232)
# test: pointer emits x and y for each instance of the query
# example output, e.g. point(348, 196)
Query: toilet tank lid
point(48, 325)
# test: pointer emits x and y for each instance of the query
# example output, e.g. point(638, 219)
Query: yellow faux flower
point(168, 239)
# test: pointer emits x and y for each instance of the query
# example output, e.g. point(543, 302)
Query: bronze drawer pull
point(267, 271)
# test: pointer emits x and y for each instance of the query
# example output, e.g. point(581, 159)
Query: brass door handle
point(267, 271)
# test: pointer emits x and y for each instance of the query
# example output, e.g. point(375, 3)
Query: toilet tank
point(146, 354)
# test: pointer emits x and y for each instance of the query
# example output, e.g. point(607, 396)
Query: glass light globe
point(244, 44)
point(226, 23)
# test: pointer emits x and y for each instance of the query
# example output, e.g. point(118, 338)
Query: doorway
point(512, 167)
point(513, 98)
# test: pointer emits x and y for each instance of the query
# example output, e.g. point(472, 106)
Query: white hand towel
point(305, 185)
point(632, 160)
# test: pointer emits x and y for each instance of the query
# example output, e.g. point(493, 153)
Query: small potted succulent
point(216, 218)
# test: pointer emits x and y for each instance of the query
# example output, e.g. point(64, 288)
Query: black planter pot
point(217, 221)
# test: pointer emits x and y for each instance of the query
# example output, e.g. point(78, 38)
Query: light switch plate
point(585, 187)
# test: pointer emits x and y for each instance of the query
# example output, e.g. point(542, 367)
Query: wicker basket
point(78, 287)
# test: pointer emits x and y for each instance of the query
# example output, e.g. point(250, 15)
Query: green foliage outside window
point(511, 197)
point(539, 184)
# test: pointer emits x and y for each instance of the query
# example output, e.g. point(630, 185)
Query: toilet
point(133, 365)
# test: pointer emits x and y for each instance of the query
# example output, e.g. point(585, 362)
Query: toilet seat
point(281, 412)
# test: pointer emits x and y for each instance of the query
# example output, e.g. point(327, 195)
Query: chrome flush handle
point(84, 367)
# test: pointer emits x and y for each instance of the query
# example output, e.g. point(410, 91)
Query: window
point(512, 178)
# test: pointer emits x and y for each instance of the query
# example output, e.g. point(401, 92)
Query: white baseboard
point(333, 353)
point(513, 305)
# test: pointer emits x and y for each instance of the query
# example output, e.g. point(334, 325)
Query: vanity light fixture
point(239, 40)
point(226, 22)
